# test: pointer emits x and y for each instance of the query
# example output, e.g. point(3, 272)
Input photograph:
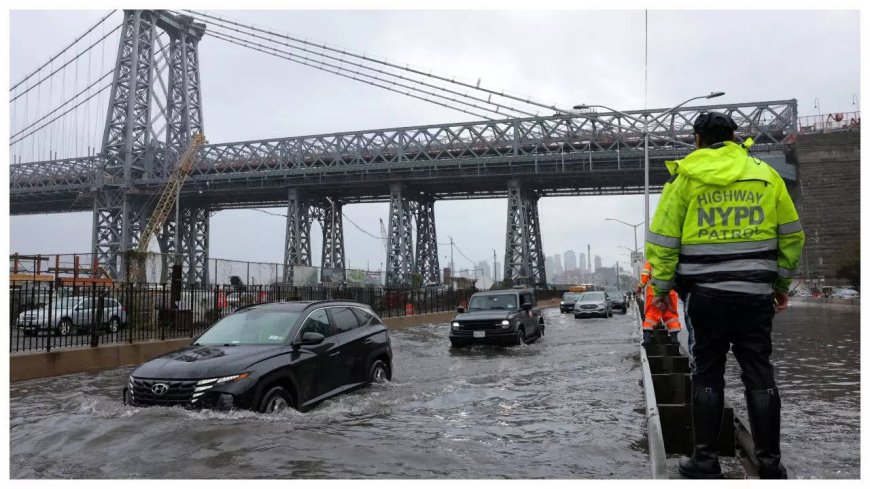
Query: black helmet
point(715, 122)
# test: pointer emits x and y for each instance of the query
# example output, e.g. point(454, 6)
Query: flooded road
point(569, 406)
point(816, 354)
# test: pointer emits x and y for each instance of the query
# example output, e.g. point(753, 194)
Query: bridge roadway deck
point(474, 177)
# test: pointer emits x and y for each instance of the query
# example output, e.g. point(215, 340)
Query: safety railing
point(839, 121)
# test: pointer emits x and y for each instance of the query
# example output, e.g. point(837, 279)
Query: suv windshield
point(592, 296)
point(486, 302)
point(569, 295)
point(251, 327)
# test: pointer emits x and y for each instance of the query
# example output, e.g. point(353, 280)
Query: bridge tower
point(131, 141)
point(333, 237)
point(426, 262)
point(524, 256)
point(297, 245)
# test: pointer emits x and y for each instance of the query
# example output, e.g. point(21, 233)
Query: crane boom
point(170, 193)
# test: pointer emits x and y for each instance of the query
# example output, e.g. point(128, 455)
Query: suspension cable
point(41, 80)
point(63, 51)
point(526, 100)
point(59, 116)
point(375, 69)
point(247, 45)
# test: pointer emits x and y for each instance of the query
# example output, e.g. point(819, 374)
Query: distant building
point(570, 260)
point(550, 266)
point(583, 264)
point(557, 258)
point(486, 267)
point(597, 263)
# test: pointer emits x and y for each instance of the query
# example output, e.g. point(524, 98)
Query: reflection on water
point(566, 407)
point(816, 353)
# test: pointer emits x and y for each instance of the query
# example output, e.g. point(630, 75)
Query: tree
point(236, 282)
point(849, 263)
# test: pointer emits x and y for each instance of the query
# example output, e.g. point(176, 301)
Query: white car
point(846, 294)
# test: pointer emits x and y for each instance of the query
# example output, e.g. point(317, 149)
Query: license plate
point(480, 334)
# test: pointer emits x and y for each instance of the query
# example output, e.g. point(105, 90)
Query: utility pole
point(494, 267)
point(451, 255)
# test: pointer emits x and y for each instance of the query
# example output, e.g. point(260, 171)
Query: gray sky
point(559, 57)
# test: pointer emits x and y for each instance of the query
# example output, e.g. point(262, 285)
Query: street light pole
point(646, 121)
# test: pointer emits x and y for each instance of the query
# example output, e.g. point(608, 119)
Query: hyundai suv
point(268, 357)
point(507, 317)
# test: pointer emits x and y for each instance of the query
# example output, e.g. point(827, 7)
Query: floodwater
point(569, 406)
point(816, 356)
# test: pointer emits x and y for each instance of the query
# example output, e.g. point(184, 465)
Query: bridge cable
point(50, 75)
point(244, 44)
point(63, 50)
point(377, 70)
point(526, 100)
point(61, 115)
point(323, 63)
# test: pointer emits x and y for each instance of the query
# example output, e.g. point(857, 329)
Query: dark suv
point(268, 357)
point(507, 317)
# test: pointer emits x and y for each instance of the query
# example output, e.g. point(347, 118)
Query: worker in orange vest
point(653, 315)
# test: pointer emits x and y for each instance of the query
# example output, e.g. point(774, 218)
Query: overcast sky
point(559, 57)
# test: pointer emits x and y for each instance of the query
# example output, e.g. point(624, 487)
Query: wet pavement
point(569, 406)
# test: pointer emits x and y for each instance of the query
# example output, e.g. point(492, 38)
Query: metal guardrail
point(655, 438)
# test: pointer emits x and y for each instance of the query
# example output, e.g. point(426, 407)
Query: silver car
point(595, 303)
point(66, 315)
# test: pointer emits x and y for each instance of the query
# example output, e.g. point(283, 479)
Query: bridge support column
point(400, 242)
point(333, 243)
point(297, 245)
point(524, 256)
point(194, 245)
point(426, 262)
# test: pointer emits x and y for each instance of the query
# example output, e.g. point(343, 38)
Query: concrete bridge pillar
point(400, 244)
point(524, 256)
point(297, 245)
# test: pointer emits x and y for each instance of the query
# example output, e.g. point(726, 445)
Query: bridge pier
point(426, 262)
point(297, 245)
point(400, 244)
point(524, 256)
point(332, 259)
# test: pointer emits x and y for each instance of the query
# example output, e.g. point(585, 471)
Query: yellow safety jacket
point(725, 221)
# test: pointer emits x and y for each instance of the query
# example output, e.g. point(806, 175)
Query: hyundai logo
point(159, 389)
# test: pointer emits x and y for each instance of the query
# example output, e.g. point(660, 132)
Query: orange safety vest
point(653, 315)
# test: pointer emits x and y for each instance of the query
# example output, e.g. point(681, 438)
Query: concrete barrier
point(37, 365)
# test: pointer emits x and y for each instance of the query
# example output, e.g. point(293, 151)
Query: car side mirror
point(527, 306)
point(460, 309)
point(312, 338)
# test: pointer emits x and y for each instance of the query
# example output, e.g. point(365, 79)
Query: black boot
point(674, 339)
point(647, 337)
point(763, 406)
point(707, 409)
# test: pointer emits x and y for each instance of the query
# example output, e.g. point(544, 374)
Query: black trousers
point(723, 320)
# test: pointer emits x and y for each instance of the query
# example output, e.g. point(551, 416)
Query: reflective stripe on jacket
point(724, 221)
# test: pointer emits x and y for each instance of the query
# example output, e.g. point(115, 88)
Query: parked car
point(617, 299)
point(568, 300)
point(597, 303)
point(66, 315)
point(506, 317)
point(268, 357)
point(236, 300)
point(846, 293)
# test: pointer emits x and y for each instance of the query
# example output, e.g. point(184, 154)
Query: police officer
point(726, 235)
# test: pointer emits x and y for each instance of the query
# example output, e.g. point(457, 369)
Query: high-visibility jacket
point(652, 314)
point(724, 221)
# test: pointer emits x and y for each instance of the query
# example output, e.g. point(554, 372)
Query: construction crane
point(384, 237)
point(168, 199)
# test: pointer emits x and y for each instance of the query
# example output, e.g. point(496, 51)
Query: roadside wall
point(828, 203)
point(37, 365)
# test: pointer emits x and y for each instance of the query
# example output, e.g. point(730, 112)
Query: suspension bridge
point(102, 131)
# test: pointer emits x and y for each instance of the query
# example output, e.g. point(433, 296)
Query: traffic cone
point(409, 309)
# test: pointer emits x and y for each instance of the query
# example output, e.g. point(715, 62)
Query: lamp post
point(629, 225)
point(646, 121)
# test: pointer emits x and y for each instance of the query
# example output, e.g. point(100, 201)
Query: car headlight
point(562, 303)
point(455, 325)
point(505, 324)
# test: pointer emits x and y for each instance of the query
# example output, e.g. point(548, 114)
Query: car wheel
point(541, 330)
point(114, 324)
point(378, 374)
point(576, 317)
point(275, 400)
point(610, 313)
point(521, 337)
point(64, 327)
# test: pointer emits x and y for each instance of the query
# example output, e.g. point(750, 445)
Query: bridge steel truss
point(524, 256)
point(131, 145)
point(410, 167)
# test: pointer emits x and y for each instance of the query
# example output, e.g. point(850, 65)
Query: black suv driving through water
point(507, 317)
point(268, 357)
